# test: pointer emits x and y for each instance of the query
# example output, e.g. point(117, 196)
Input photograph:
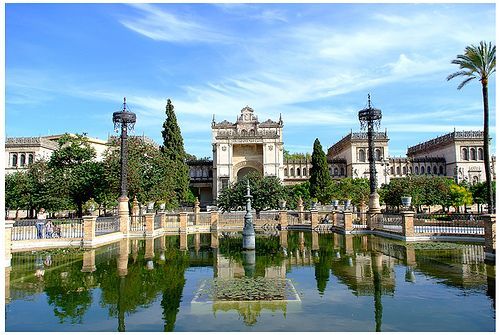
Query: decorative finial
point(369, 101)
point(124, 104)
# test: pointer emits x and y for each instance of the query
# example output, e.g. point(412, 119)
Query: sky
point(68, 67)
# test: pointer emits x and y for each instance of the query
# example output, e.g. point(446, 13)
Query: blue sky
point(68, 67)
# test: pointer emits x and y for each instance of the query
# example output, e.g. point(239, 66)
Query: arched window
point(204, 173)
point(198, 173)
point(30, 159)
point(14, 160)
point(252, 132)
point(378, 155)
point(404, 169)
point(441, 170)
point(435, 170)
point(292, 172)
point(422, 170)
point(428, 170)
point(342, 171)
point(473, 154)
point(335, 171)
point(398, 170)
point(244, 132)
point(23, 159)
point(304, 172)
point(210, 173)
point(362, 156)
point(465, 154)
point(298, 172)
point(480, 154)
point(392, 169)
point(475, 180)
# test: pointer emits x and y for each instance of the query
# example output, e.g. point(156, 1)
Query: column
point(348, 221)
point(214, 220)
point(8, 242)
point(123, 215)
point(89, 261)
point(489, 236)
point(183, 221)
point(149, 220)
point(407, 225)
point(88, 230)
point(314, 218)
point(196, 211)
point(283, 219)
point(300, 209)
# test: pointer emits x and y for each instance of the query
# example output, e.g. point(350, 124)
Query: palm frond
point(465, 82)
point(458, 73)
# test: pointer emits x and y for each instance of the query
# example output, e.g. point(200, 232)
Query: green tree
point(266, 191)
point(294, 192)
point(173, 149)
point(356, 189)
point(479, 62)
point(479, 192)
point(320, 180)
point(459, 196)
point(296, 156)
point(17, 193)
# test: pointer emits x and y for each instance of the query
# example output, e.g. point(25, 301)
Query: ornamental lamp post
point(370, 118)
point(123, 120)
point(248, 228)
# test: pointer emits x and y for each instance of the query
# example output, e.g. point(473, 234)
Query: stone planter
point(335, 203)
point(406, 201)
point(347, 203)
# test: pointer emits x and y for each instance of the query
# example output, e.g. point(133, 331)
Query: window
point(210, 173)
point(378, 155)
point(422, 170)
point(404, 169)
point(475, 180)
point(30, 159)
point(392, 169)
point(480, 154)
point(435, 170)
point(465, 154)
point(473, 154)
point(298, 172)
point(335, 171)
point(14, 160)
point(286, 172)
point(23, 159)
point(362, 156)
point(342, 171)
point(304, 172)
point(428, 170)
point(441, 170)
point(398, 170)
point(224, 183)
point(292, 172)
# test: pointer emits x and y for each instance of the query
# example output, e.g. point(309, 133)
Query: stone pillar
point(89, 261)
point(349, 249)
point(489, 236)
point(150, 248)
point(183, 217)
point(314, 218)
point(196, 211)
point(407, 226)
point(372, 220)
point(135, 207)
point(315, 241)
point(163, 219)
point(149, 219)
point(214, 240)
point(300, 209)
point(183, 244)
point(88, 230)
point(122, 263)
point(163, 242)
point(348, 221)
point(283, 219)
point(123, 213)
point(214, 220)
point(362, 213)
point(284, 239)
point(8, 242)
point(334, 217)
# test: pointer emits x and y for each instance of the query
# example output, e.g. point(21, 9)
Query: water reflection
point(133, 274)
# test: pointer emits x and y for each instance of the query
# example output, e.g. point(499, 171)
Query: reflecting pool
point(295, 281)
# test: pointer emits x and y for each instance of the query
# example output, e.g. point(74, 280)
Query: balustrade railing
point(137, 223)
point(392, 223)
point(46, 229)
point(204, 218)
point(452, 224)
point(171, 220)
point(190, 219)
point(157, 221)
point(107, 225)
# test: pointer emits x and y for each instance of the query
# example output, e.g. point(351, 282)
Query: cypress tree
point(320, 181)
point(173, 149)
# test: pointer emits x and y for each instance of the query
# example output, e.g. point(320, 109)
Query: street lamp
point(123, 120)
point(370, 118)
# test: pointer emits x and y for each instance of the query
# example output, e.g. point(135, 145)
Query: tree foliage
point(355, 189)
point(320, 180)
point(296, 156)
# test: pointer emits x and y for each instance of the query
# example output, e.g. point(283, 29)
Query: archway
point(244, 171)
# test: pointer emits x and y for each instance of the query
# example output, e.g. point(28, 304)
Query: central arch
point(244, 171)
point(243, 168)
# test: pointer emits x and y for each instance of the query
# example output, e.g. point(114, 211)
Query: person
point(49, 229)
point(41, 216)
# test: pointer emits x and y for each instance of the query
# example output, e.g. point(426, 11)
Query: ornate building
point(245, 146)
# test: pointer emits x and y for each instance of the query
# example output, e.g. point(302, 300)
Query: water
point(343, 283)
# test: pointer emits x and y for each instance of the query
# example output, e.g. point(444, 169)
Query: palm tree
point(479, 62)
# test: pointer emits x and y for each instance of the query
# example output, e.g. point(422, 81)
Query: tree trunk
point(486, 152)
